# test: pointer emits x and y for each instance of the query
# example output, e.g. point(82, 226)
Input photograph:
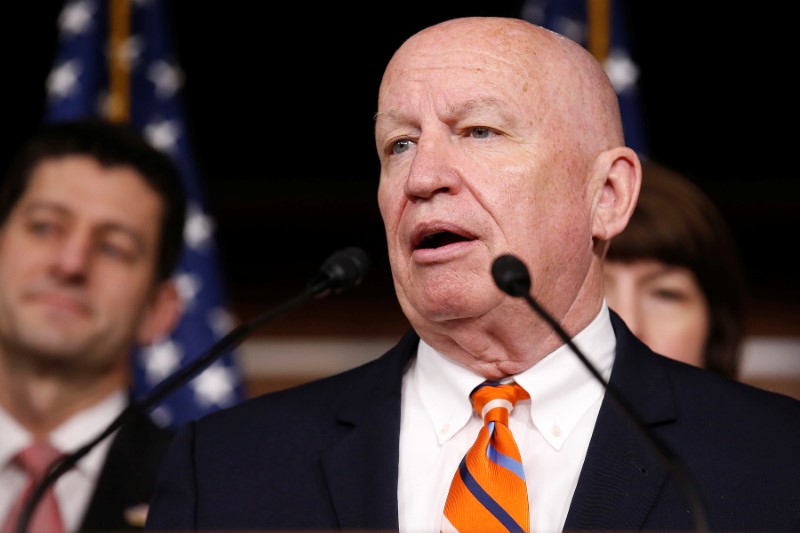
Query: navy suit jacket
point(324, 455)
point(128, 475)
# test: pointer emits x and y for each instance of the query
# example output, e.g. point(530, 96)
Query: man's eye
point(480, 132)
point(401, 146)
point(116, 251)
point(40, 227)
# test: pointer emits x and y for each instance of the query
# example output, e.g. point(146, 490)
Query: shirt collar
point(14, 438)
point(70, 435)
point(562, 389)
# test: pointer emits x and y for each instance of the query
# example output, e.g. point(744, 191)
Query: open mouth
point(439, 239)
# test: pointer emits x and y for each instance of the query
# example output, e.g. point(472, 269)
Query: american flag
point(601, 26)
point(115, 61)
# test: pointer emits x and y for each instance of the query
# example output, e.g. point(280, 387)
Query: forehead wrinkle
point(472, 105)
point(452, 110)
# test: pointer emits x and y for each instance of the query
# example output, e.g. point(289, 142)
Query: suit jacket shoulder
point(729, 451)
point(320, 456)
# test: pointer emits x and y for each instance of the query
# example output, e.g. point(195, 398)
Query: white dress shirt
point(75, 487)
point(552, 429)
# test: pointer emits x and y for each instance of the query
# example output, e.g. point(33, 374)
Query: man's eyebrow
point(386, 115)
point(472, 104)
point(132, 234)
point(45, 205)
point(106, 226)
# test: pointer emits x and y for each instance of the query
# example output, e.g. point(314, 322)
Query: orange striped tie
point(488, 491)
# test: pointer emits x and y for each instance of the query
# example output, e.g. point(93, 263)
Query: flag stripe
point(119, 63)
point(598, 39)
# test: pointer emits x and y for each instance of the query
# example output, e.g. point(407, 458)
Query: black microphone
point(342, 270)
point(512, 277)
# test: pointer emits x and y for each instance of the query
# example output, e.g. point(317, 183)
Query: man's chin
point(53, 346)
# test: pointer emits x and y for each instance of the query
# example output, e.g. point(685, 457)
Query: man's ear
point(162, 314)
point(618, 178)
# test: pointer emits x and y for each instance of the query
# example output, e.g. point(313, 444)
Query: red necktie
point(46, 517)
point(488, 491)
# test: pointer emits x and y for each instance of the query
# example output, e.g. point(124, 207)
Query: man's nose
point(73, 255)
point(435, 168)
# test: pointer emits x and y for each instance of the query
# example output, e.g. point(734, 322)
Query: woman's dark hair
point(676, 223)
point(111, 145)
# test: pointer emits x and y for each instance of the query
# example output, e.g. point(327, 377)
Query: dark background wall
point(280, 103)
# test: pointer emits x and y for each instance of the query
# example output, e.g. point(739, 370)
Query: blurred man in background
point(92, 222)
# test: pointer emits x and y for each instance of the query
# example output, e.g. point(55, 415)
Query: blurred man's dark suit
point(128, 476)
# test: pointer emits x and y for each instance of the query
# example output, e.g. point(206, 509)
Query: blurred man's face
point(78, 260)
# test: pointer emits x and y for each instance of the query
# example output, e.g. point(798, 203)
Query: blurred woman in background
point(675, 276)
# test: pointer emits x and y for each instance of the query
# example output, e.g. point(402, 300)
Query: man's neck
point(42, 402)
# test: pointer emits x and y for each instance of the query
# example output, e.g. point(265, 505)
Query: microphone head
point(511, 275)
point(344, 269)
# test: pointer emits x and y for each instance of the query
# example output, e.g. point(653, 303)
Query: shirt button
point(556, 431)
point(445, 429)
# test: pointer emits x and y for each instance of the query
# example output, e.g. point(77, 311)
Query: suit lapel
point(370, 449)
point(623, 473)
point(126, 481)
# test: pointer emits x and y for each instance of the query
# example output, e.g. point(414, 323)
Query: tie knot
point(37, 457)
point(493, 401)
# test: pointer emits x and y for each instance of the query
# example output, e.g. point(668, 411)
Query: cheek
point(20, 271)
point(697, 335)
point(389, 204)
point(384, 200)
point(18, 254)
point(549, 231)
point(120, 289)
point(514, 203)
point(682, 337)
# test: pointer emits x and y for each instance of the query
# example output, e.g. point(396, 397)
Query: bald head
point(565, 87)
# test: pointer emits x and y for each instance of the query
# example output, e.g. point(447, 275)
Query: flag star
point(198, 229)
point(63, 79)
point(162, 416)
point(621, 70)
point(160, 360)
point(188, 287)
point(214, 386)
point(220, 321)
point(75, 18)
point(167, 78)
point(163, 134)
